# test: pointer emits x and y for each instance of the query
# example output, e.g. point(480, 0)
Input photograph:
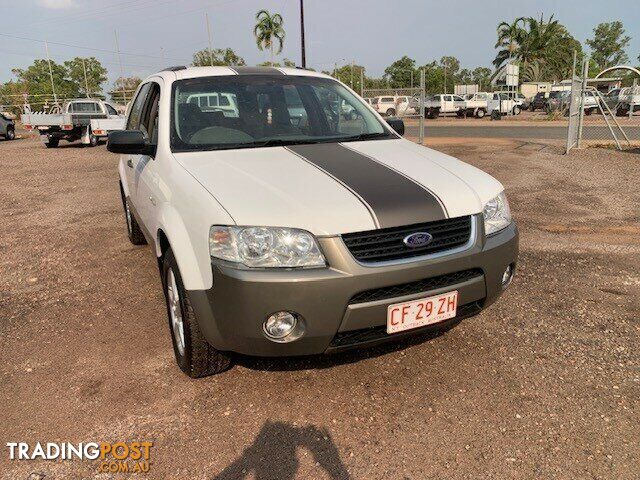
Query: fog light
point(280, 324)
point(507, 276)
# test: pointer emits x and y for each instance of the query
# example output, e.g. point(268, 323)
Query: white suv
point(276, 236)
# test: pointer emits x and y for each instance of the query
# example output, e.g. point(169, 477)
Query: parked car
point(561, 100)
point(539, 102)
point(502, 103)
point(621, 100)
point(84, 119)
point(522, 101)
point(7, 126)
point(443, 104)
point(276, 240)
point(475, 104)
point(393, 105)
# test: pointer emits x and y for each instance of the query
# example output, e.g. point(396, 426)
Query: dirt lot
point(544, 384)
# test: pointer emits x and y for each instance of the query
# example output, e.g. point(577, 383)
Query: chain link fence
point(404, 103)
point(601, 117)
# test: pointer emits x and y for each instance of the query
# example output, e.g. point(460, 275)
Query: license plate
point(418, 313)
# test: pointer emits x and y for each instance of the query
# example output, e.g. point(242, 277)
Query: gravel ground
point(544, 384)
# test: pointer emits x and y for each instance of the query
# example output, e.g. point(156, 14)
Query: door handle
point(130, 163)
point(152, 200)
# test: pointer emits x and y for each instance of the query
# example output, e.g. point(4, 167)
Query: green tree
point(123, 89)
point(221, 57)
point(349, 74)
point(96, 75)
point(285, 63)
point(543, 48)
point(482, 77)
point(269, 30)
point(36, 82)
point(400, 73)
point(608, 44)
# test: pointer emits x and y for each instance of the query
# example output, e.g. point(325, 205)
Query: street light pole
point(304, 53)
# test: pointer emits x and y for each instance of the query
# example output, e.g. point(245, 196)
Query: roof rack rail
point(174, 69)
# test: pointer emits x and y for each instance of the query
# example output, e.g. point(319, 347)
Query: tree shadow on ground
point(273, 455)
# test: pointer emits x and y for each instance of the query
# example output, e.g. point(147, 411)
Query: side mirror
point(397, 124)
point(129, 142)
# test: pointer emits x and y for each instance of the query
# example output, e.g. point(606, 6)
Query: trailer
point(88, 120)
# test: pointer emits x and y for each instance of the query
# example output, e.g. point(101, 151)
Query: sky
point(157, 33)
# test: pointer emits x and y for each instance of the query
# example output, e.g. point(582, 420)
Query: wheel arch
point(191, 252)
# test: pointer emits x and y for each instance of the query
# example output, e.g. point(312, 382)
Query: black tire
point(194, 355)
point(480, 113)
point(391, 112)
point(134, 232)
point(52, 143)
point(588, 111)
point(93, 140)
point(11, 134)
point(532, 108)
point(516, 110)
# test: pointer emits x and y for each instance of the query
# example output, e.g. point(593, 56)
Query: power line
point(102, 50)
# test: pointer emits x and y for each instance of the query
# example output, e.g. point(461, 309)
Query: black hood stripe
point(442, 205)
point(392, 198)
point(356, 194)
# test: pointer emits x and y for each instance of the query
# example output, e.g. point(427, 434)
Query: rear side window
point(84, 107)
point(387, 99)
point(133, 122)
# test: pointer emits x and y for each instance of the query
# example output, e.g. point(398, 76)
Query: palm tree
point(268, 30)
point(510, 35)
point(543, 49)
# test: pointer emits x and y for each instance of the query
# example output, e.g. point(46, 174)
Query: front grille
point(386, 244)
point(419, 286)
point(379, 333)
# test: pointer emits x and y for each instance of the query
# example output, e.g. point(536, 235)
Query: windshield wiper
point(364, 136)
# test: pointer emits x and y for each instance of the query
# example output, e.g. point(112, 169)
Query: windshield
point(244, 111)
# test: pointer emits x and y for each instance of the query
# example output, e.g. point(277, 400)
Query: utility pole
point(124, 94)
point(53, 87)
point(206, 18)
point(86, 82)
point(302, 46)
point(351, 85)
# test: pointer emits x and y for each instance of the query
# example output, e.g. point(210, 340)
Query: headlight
point(497, 214)
point(265, 246)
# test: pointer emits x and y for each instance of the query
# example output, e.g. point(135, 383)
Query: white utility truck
point(87, 120)
point(442, 105)
point(475, 104)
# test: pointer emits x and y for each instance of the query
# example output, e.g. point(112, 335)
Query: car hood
point(336, 188)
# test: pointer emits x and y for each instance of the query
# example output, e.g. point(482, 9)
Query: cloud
point(57, 4)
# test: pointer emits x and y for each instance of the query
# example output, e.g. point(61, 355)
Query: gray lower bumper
point(231, 313)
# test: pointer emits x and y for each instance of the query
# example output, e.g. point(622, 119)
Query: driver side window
point(133, 121)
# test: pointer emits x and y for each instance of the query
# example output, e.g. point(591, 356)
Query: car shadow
point(273, 454)
point(322, 361)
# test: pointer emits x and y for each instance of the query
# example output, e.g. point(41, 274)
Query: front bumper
point(345, 305)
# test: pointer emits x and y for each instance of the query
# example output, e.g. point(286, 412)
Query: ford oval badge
point(418, 239)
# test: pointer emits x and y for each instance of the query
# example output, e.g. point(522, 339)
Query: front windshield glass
point(244, 111)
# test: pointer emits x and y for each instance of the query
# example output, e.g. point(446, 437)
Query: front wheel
point(11, 134)
point(194, 355)
point(481, 113)
point(516, 110)
point(134, 232)
point(391, 112)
